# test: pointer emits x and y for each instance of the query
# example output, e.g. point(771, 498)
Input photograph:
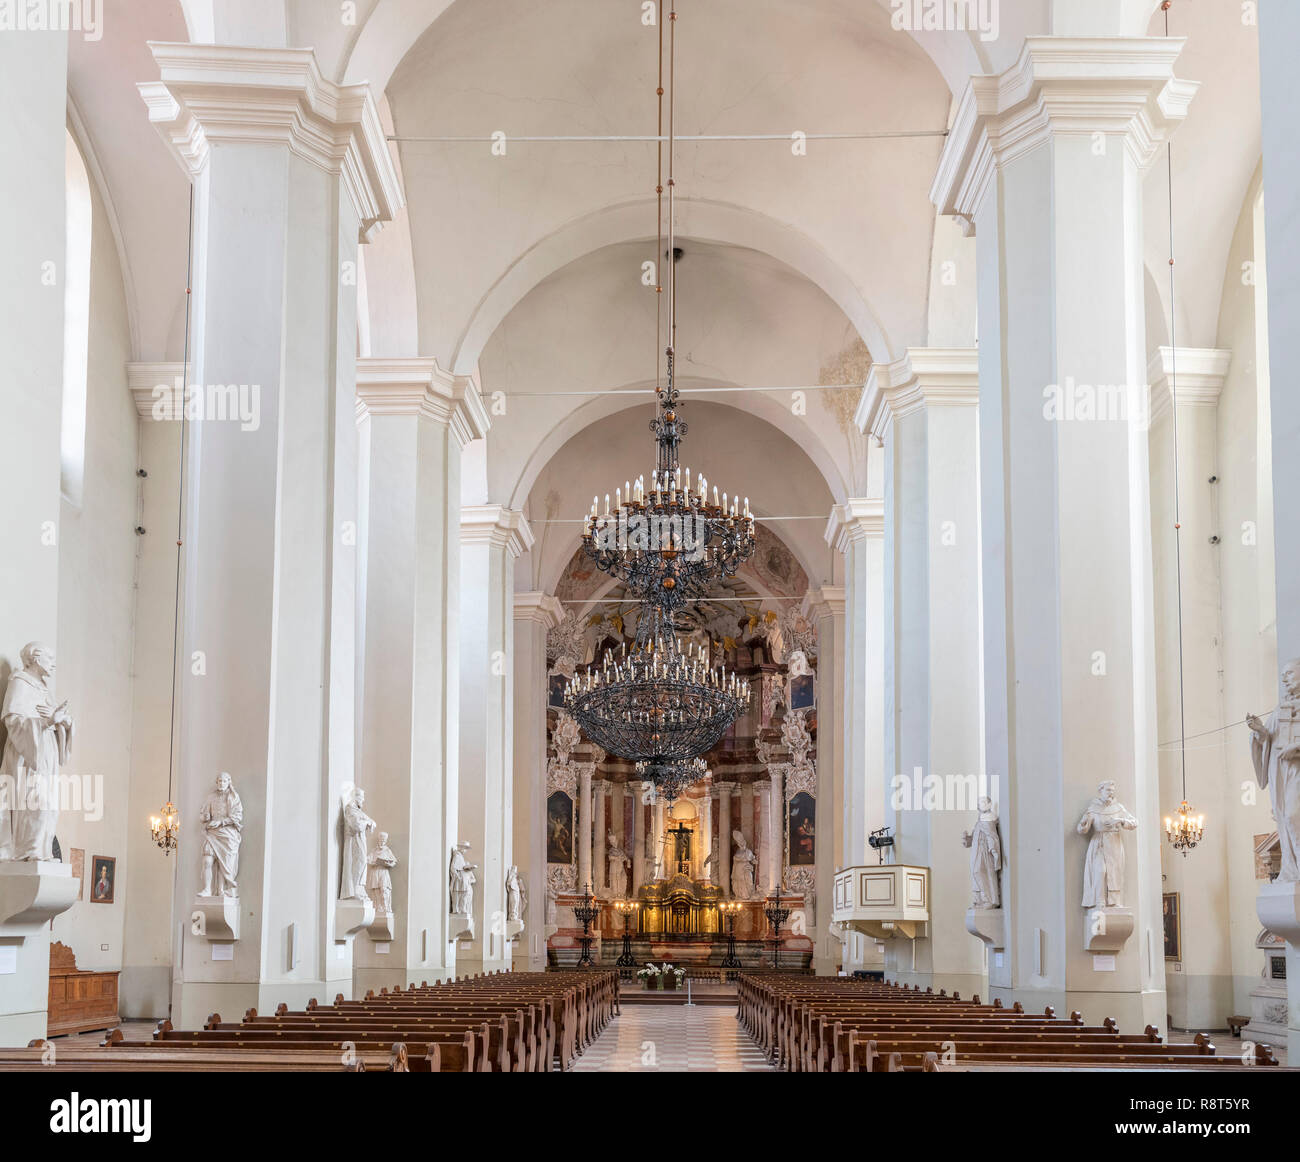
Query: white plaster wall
point(1248, 607)
point(96, 608)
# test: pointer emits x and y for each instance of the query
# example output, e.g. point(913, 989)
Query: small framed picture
point(1173, 925)
point(103, 872)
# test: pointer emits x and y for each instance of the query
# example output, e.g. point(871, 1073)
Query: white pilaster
point(290, 171)
point(415, 420)
point(637, 851)
point(535, 613)
point(1045, 161)
point(599, 863)
point(923, 409)
point(584, 826)
point(491, 537)
point(724, 837)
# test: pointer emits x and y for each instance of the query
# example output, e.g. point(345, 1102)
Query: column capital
point(858, 518)
point(925, 377)
point(419, 387)
point(543, 608)
point(828, 601)
point(497, 526)
point(1061, 86)
point(1199, 371)
point(153, 388)
point(211, 94)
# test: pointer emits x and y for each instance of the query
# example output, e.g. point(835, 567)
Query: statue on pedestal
point(460, 875)
point(618, 865)
point(1103, 865)
point(222, 819)
point(516, 894)
point(38, 741)
point(1275, 752)
point(379, 879)
point(356, 825)
point(743, 867)
point(985, 843)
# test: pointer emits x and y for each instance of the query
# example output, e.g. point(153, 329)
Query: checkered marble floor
point(673, 1039)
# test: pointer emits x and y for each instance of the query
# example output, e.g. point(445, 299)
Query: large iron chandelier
point(660, 703)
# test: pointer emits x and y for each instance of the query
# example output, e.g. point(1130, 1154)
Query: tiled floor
point(673, 1039)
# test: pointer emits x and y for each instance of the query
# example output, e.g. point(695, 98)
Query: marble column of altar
point(709, 874)
point(724, 837)
point(763, 882)
point(584, 826)
point(637, 851)
point(599, 867)
point(775, 809)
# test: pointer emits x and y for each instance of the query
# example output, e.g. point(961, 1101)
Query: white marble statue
point(1103, 865)
point(743, 867)
point(38, 740)
point(379, 878)
point(618, 865)
point(356, 827)
point(460, 874)
point(516, 894)
point(552, 904)
point(985, 843)
point(711, 861)
point(222, 820)
point(1275, 751)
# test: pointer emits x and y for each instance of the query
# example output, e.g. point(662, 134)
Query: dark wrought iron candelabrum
point(729, 909)
point(626, 908)
point(776, 916)
point(586, 913)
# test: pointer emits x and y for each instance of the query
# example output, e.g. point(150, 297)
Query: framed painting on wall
point(1173, 925)
point(103, 874)
point(559, 828)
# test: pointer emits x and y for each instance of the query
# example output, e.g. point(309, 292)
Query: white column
point(492, 537)
point(600, 887)
point(656, 847)
point(637, 850)
point(762, 819)
point(775, 828)
point(584, 826)
point(415, 422)
point(535, 613)
point(1279, 25)
point(1046, 161)
point(34, 84)
point(289, 171)
point(923, 408)
point(724, 837)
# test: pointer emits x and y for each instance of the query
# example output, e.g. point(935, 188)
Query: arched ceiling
point(744, 320)
point(592, 70)
point(735, 449)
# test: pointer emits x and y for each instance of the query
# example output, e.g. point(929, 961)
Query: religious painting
point(77, 858)
point(803, 692)
point(555, 691)
point(103, 875)
point(1173, 926)
point(803, 825)
point(559, 828)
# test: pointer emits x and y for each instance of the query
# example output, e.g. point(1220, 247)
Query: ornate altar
point(678, 907)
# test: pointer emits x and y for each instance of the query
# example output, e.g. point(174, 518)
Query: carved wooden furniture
point(80, 999)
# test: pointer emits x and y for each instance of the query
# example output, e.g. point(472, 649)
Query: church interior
point(752, 528)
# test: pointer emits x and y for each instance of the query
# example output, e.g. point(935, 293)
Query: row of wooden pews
point(507, 1022)
point(837, 1025)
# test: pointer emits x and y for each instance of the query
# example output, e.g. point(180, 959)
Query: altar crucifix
point(682, 847)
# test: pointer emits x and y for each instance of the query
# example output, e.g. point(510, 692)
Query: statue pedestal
point(216, 918)
point(350, 916)
point(1107, 929)
point(990, 925)
point(381, 929)
point(514, 928)
point(1278, 908)
point(459, 924)
point(32, 892)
